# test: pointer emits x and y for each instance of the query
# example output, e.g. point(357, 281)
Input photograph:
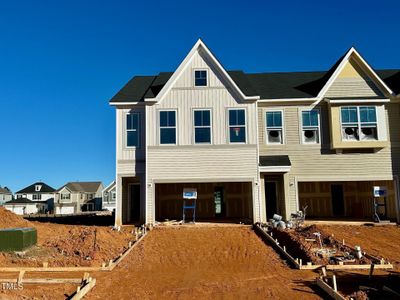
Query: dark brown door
point(271, 198)
point(134, 195)
point(337, 200)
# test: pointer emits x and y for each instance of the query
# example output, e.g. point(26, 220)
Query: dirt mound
point(10, 220)
point(198, 262)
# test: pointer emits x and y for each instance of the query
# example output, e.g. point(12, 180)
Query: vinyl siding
point(318, 162)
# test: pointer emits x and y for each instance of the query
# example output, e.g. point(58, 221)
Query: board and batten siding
point(130, 160)
point(318, 162)
point(187, 162)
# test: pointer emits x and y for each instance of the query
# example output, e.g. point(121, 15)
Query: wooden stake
point(45, 264)
point(334, 283)
point(324, 271)
point(20, 276)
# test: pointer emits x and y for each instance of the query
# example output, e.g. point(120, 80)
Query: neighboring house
point(38, 192)
point(5, 195)
point(257, 144)
point(76, 197)
point(24, 206)
point(109, 197)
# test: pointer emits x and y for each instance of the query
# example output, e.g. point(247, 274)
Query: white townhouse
point(252, 145)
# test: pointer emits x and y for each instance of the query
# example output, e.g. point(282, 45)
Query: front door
point(271, 198)
point(219, 202)
point(134, 202)
point(337, 200)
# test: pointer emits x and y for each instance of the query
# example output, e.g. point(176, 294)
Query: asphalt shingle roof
point(31, 189)
point(279, 85)
point(275, 161)
point(82, 187)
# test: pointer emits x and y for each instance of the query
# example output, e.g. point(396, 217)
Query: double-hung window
point(274, 127)
point(310, 126)
point(37, 197)
point(202, 126)
point(237, 126)
point(200, 78)
point(359, 123)
point(133, 130)
point(167, 127)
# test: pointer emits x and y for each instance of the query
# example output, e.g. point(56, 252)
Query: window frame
point(302, 127)
point(281, 110)
point(229, 126)
point(159, 126)
point(139, 136)
point(194, 77)
point(210, 126)
point(359, 123)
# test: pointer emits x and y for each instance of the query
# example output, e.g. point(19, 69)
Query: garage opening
point(344, 200)
point(216, 202)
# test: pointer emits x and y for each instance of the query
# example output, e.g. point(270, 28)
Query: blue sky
point(61, 61)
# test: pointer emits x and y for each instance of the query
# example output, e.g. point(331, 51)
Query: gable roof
point(23, 200)
point(275, 85)
point(82, 187)
point(5, 191)
point(31, 189)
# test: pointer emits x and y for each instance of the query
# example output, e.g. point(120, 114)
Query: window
point(274, 127)
point(310, 126)
point(237, 126)
point(202, 127)
point(133, 130)
point(200, 78)
point(359, 123)
point(113, 196)
point(38, 187)
point(37, 197)
point(65, 196)
point(168, 127)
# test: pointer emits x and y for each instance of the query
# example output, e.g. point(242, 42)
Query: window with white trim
point(202, 126)
point(167, 127)
point(133, 130)
point(37, 197)
point(310, 126)
point(359, 123)
point(200, 78)
point(274, 124)
point(65, 196)
point(237, 126)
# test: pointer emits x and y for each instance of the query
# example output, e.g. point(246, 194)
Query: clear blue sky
point(61, 61)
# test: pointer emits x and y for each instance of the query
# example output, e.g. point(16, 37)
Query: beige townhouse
point(252, 145)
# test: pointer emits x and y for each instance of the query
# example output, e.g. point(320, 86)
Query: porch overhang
point(274, 164)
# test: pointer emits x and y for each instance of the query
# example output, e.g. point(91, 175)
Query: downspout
point(258, 166)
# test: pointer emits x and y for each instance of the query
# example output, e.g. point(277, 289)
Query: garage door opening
point(216, 202)
point(344, 200)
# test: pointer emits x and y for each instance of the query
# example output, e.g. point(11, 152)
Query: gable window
point(168, 127)
point(133, 130)
point(38, 187)
point(359, 123)
point(237, 126)
point(200, 78)
point(310, 126)
point(202, 126)
point(274, 127)
point(65, 196)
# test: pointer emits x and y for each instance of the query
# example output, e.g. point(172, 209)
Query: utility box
point(17, 239)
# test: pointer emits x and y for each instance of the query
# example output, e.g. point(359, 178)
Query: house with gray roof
point(5, 195)
point(254, 144)
point(76, 197)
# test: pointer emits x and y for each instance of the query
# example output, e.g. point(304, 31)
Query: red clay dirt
point(381, 241)
point(187, 262)
point(66, 245)
point(303, 243)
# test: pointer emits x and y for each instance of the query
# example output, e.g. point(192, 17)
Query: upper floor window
point(65, 196)
point(359, 123)
point(274, 128)
point(113, 196)
point(38, 187)
point(202, 126)
point(200, 77)
point(310, 126)
point(37, 196)
point(168, 127)
point(237, 126)
point(133, 130)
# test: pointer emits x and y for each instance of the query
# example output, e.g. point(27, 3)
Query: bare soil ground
point(218, 262)
point(66, 245)
point(382, 241)
point(303, 243)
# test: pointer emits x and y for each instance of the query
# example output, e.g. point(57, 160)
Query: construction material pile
point(10, 220)
point(314, 245)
